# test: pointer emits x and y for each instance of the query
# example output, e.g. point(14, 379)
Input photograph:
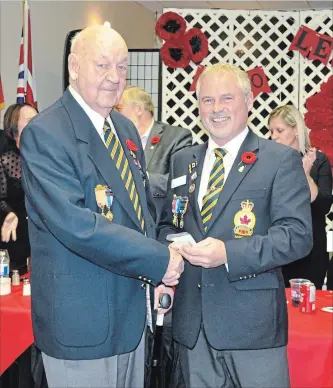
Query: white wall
point(51, 21)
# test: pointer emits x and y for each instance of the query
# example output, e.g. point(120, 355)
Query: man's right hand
point(174, 270)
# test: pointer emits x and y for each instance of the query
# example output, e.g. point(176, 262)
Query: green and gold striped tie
point(215, 186)
point(118, 156)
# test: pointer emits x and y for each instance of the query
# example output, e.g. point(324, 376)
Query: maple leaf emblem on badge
point(245, 220)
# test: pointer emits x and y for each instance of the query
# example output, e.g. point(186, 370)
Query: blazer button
point(143, 286)
point(199, 285)
point(241, 278)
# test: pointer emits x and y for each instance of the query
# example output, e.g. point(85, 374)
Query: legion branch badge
point(104, 199)
point(244, 220)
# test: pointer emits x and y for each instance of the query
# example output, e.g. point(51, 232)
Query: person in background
point(246, 203)
point(93, 246)
point(160, 141)
point(287, 127)
point(14, 229)
point(6, 143)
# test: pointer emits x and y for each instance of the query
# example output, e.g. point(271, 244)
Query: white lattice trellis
point(248, 39)
point(313, 73)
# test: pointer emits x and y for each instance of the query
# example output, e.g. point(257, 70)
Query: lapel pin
point(191, 188)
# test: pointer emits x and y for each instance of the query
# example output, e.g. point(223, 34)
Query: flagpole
point(26, 47)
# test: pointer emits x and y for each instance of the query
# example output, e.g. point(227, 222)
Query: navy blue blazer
point(87, 272)
point(245, 307)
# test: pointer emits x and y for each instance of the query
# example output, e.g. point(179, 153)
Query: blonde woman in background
point(287, 127)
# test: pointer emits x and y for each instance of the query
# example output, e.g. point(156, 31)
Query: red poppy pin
point(131, 145)
point(249, 157)
point(155, 140)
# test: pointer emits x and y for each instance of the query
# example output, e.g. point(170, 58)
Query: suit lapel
point(157, 130)
point(235, 177)
point(199, 157)
point(97, 152)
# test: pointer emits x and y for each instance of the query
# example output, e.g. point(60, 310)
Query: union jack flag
point(26, 89)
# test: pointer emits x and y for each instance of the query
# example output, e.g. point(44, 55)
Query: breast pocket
point(249, 206)
point(249, 194)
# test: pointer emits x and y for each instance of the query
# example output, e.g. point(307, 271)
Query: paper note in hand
point(181, 238)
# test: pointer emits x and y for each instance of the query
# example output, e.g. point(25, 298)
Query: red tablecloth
point(310, 348)
point(15, 326)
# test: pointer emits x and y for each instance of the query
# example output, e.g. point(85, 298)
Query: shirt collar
point(147, 133)
point(232, 147)
point(96, 118)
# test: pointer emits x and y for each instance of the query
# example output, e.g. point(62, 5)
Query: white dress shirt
point(145, 136)
point(96, 119)
point(232, 148)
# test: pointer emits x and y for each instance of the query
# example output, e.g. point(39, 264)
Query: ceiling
point(157, 6)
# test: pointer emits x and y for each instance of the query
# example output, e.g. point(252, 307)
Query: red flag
point(26, 90)
point(2, 99)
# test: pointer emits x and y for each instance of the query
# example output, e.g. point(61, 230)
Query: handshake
point(175, 268)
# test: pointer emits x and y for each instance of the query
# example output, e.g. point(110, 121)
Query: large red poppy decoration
point(170, 25)
point(198, 43)
point(180, 47)
point(176, 54)
point(319, 118)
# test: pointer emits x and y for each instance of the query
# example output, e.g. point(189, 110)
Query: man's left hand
point(208, 253)
point(162, 289)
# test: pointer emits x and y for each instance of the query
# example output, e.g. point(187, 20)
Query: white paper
point(330, 241)
point(180, 181)
point(181, 238)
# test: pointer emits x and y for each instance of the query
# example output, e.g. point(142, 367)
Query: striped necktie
point(215, 186)
point(117, 154)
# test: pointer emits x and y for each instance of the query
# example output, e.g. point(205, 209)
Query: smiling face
point(223, 106)
point(283, 133)
point(98, 68)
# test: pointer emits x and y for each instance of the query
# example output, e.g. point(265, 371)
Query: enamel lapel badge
point(104, 199)
point(244, 220)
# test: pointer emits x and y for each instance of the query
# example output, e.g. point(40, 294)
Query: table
point(15, 325)
point(310, 348)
